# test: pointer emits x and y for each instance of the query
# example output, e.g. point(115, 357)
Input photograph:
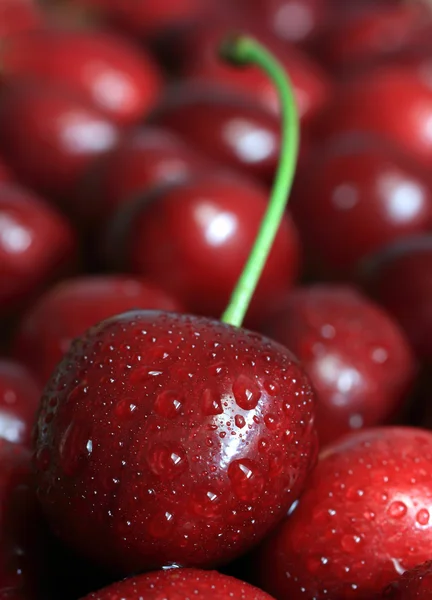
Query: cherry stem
point(243, 50)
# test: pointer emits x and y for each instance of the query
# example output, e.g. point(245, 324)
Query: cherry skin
point(362, 520)
point(49, 136)
point(367, 104)
point(118, 79)
point(194, 238)
point(172, 439)
point(363, 194)
point(37, 245)
point(71, 307)
point(415, 584)
point(399, 278)
point(19, 398)
point(242, 135)
point(181, 583)
point(357, 357)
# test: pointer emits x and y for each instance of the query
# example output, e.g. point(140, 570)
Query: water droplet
point(217, 369)
point(144, 373)
point(125, 408)
point(271, 387)
point(422, 517)
point(354, 494)
point(263, 445)
point(240, 421)
point(161, 525)
point(246, 479)
point(73, 448)
point(206, 502)
point(350, 543)
point(246, 392)
point(43, 459)
point(169, 404)
point(271, 422)
point(211, 402)
point(167, 460)
point(77, 393)
point(397, 509)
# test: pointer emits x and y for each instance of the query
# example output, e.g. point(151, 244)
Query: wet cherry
point(415, 584)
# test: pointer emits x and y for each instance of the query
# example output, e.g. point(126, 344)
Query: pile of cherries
point(150, 447)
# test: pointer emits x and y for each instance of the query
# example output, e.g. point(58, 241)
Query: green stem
point(245, 50)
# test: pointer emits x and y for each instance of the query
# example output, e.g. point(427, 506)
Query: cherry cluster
point(205, 394)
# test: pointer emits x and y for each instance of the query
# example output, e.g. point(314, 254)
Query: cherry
point(50, 136)
point(193, 239)
point(103, 69)
point(181, 583)
point(367, 104)
point(71, 307)
point(242, 134)
point(19, 399)
point(357, 358)
point(36, 246)
point(399, 277)
point(415, 584)
point(363, 519)
point(363, 194)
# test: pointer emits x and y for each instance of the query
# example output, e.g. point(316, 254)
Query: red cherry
point(400, 278)
point(73, 306)
point(19, 399)
point(194, 238)
point(50, 137)
point(363, 194)
point(226, 128)
point(367, 104)
point(105, 70)
point(415, 584)
point(167, 438)
point(181, 583)
point(356, 356)
point(363, 519)
point(36, 245)
point(17, 16)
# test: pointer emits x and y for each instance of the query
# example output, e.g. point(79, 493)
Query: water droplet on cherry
point(211, 402)
point(167, 460)
point(246, 478)
point(169, 404)
point(246, 392)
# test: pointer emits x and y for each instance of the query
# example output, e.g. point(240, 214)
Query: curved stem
point(246, 50)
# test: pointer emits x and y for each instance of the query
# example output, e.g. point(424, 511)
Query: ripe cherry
point(103, 69)
point(181, 583)
point(358, 360)
point(363, 194)
point(415, 584)
point(363, 519)
point(71, 307)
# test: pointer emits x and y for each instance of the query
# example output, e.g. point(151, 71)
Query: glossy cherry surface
point(19, 399)
point(400, 278)
point(37, 245)
point(357, 357)
point(181, 583)
point(172, 439)
point(227, 128)
point(194, 238)
point(363, 194)
point(363, 519)
point(49, 136)
point(71, 307)
point(105, 70)
point(415, 584)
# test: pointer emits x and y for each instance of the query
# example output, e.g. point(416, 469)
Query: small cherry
point(364, 193)
point(357, 357)
point(415, 584)
point(71, 307)
point(181, 584)
point(37, 245)
point(167, 439)
point(103, 69)
point(363, 519)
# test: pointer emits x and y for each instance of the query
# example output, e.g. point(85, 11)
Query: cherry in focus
point(194, 238)
point(359, 362)
point(415, 584)
point(71, 307)
point(363, 519)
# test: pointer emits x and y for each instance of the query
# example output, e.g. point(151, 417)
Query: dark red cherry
point(19, 399)
point(357, 357)
point(400, 278)
point(227, 128)
point(194, 238)
point(372, 102)
point(17, 16)
point(169, 439)
point(103, 69)
point(71, 307)
point(181, 583)
point(415, 584)
point(49, 136)
point(364, 519)
point(36, 246)
point(363, 194)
